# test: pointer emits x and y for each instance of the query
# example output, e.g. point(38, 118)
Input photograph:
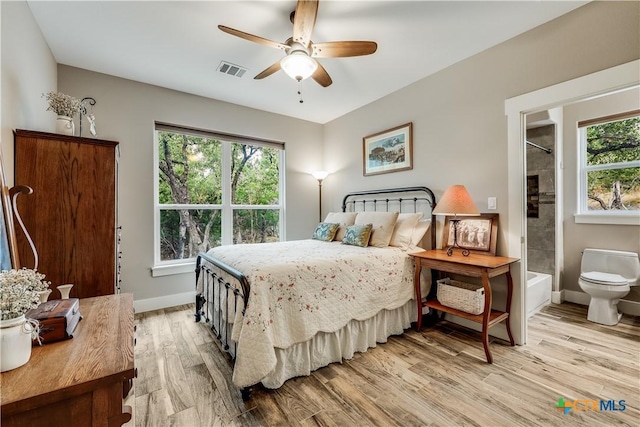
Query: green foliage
point(196, 165)
point(191, 173)
point(258, 182)
point(609, 143)
point(173, 243)
point(256, 225)
point(614, 142)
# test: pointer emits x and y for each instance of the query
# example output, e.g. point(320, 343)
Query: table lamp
point(456, 201)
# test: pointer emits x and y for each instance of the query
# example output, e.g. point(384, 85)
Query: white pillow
point(403, 230)
point(383, 224)
point(419, 231)
point(344, 219)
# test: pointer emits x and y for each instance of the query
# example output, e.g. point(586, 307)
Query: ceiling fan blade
point(304, 20)
point(268, 71)
point(252, 38)
point(321, 76)
point(343, 49)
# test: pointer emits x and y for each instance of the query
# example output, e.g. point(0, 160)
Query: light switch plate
point(491, 203)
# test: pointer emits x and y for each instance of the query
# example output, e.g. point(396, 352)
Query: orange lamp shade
point(456, 201)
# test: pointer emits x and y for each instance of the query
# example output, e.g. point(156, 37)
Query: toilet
point(607, 276)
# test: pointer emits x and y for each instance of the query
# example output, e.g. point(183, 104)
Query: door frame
point(590, 86)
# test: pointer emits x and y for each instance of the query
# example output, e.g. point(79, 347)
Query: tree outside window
point(192, 208)
point(611, 165)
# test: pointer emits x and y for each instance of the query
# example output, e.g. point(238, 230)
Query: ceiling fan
point(300, 62)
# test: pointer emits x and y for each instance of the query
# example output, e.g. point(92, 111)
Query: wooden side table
point(474, 265)
point(80, 381)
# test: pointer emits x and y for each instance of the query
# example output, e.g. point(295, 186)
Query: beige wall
point(459, 113)
point(580, 236)
point(460, 128)
point(126, 110)
point(28, 71)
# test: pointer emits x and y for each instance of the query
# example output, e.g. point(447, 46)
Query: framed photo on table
point(388, 151)
point(476, 233)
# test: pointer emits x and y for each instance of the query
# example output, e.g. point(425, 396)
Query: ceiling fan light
point(298, 65)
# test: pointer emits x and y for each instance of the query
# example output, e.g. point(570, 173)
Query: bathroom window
point(610, 167)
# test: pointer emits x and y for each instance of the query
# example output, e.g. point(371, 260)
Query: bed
point(282, 310)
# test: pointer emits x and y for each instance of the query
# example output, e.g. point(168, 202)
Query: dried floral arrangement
point(19, 291)
point(61, 104)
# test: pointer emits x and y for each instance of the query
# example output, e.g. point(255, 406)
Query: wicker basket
point(466, 297)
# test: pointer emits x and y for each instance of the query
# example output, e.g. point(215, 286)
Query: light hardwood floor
point(437, 377)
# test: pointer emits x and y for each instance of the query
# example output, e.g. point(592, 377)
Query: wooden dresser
point(80, 381)
point(71, 214)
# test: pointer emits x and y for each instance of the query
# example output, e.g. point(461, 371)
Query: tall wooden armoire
point(72, 213)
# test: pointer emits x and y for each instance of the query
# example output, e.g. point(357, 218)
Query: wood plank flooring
point(437, 377)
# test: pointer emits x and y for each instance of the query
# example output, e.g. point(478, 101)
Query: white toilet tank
point(626, 264)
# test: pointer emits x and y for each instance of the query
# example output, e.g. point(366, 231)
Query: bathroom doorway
point(543, 230)
point(517, 109)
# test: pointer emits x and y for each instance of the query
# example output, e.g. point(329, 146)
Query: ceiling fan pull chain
point(300, 90)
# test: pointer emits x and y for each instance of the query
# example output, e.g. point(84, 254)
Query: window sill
point(609, 219)
point(170, 269)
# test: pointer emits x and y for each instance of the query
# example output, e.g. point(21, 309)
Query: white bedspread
point(299, 288)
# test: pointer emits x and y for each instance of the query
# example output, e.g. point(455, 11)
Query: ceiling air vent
point(231, 69)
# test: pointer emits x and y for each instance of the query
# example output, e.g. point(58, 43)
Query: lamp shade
point(298, 65)
point(320, 175)
point(456, 201)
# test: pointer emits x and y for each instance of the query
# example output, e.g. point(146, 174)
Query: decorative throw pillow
point(383, 223)
point(326, 231)
point(357, 235)
point(403, 230)
point(342, 218)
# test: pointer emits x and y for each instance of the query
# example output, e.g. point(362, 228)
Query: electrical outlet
point(491, 203)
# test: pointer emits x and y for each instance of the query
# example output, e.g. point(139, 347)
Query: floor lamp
point(456, 201)
point(320, 175)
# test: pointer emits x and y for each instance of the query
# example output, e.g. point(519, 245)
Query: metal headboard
point(405, 199)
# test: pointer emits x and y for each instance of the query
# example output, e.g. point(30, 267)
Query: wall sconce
point(320, 175)
point(456, 201)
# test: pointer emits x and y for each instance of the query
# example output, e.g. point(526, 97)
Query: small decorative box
point(58, 319)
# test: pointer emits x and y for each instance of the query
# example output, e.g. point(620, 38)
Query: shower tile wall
point(541, 230)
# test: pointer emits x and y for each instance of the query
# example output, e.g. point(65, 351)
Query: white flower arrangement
point(19, 291)
point(61, 104)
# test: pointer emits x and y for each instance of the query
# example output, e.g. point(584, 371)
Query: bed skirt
point(329, 347)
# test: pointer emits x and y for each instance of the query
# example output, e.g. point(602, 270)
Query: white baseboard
point(576, 297)
point(150, 304)
point(629, 307)
point(557, 297)
point(624, 306)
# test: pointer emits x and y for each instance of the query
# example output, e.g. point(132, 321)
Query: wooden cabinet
point(71, 214)
point(474, 265)
point(81, 381)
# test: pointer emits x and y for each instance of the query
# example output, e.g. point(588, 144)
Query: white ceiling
point(177, 44)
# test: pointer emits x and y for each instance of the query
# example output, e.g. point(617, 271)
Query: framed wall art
point(388, 151)
point(476, 233)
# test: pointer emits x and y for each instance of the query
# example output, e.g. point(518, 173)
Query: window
point(610, 166)
point(214, 189)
